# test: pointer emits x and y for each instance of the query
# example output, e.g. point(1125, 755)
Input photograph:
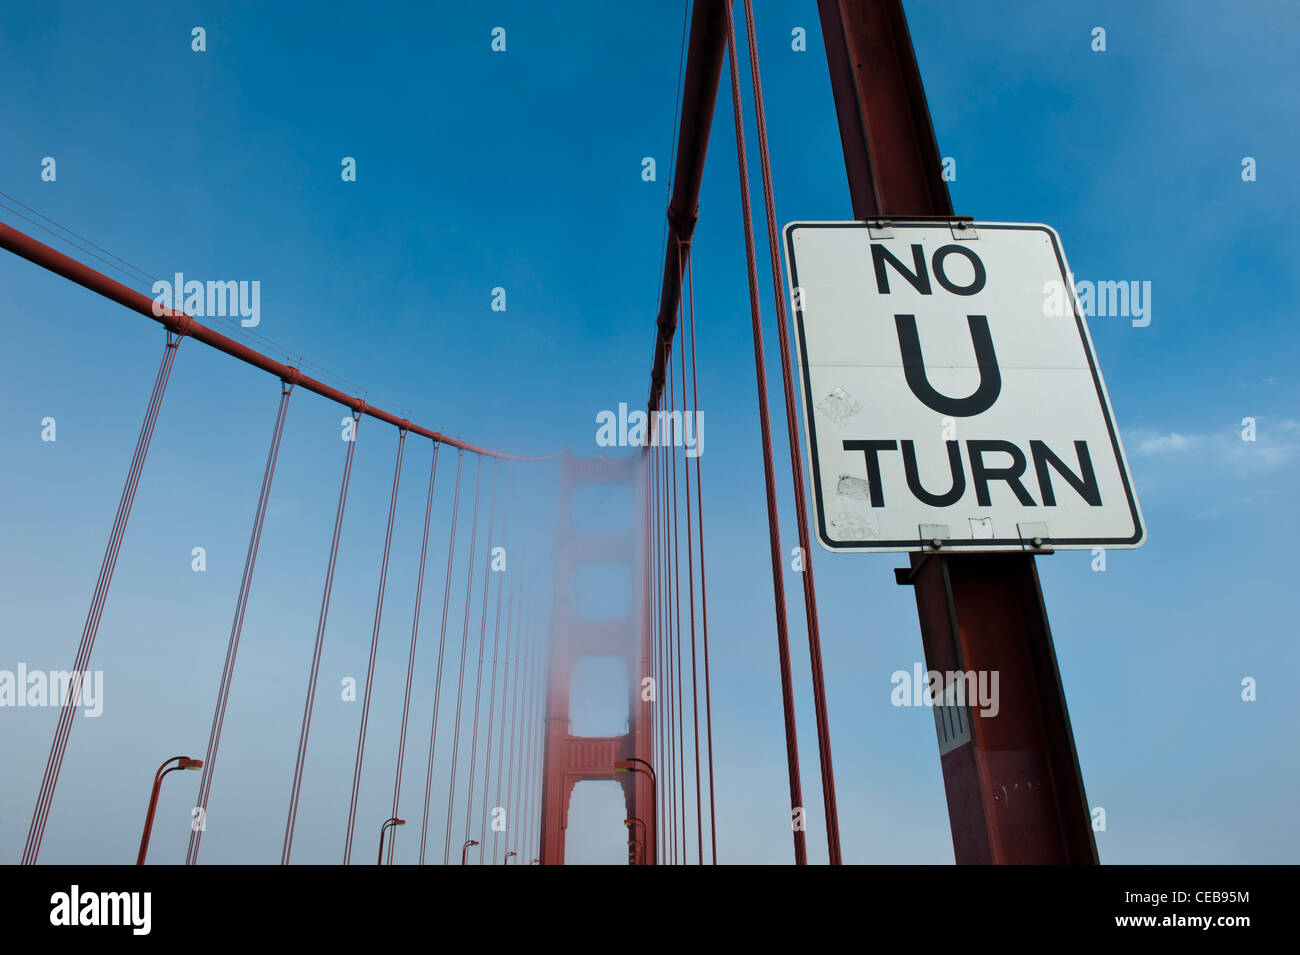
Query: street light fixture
point(394, 821)
point(182, 762)
point(465, 849)
point(506, 860)
point(636, 764)
point(634, 821)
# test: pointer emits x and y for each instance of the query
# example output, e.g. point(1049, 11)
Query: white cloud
point(1151, 443)
point(1276, 445)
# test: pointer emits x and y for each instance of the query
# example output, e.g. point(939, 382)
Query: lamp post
point(182, 762)
point(630, 823)
point(394, 821)
point(630, 765)
point(506, 860)
point(465, 849)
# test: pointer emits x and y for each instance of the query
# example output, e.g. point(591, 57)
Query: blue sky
point(522, 170)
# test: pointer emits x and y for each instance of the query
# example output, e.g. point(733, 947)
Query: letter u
point(909, 344)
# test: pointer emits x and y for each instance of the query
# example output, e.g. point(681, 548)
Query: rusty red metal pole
point(388, 823)
point(182, 762)
point(1015, 793)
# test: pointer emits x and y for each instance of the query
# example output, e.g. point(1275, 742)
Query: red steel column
point(1015, 793)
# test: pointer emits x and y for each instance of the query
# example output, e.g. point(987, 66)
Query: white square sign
point(950, 391)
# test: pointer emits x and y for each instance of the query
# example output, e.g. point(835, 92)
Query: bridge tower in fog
point(570, 759)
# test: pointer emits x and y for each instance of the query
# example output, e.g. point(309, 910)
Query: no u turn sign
point(945, 405)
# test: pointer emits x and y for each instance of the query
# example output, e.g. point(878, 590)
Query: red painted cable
point(690, 579)
point(464, 649)
point(679, 697)
point(652, 550)
point(796, 462)
point(507, 674)
point(520, 803)
point(236, 630)
point(769, 474)
point(521, 662)
point(652, 620)
point(661, 682)
point(670, 697)
point(97, 604)
point(410, 660)
point(314, 672)
point(492, 693)
point(523, 795)
point(532, 816)
point(665, 767)
point(72, 700)
point(442, 644)
point(704, 591)
point(374, 650)
point(538, 685)
point(482, 646)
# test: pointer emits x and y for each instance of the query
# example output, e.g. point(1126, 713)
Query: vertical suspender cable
point(670, 589)
point(520, 796)
point(492, 694)
point(410, 660)
point(519, 671)
point(464, 647)
point(72, 698)
point(482, 646)
point(671, 715)
point(507, 673)
point(657, 618)
point(653, 624)
point(537, 720)
point(704, 592)
point(516, 808)
point(663, 767)
point(374, 649)
point(769, 474)
point(675, 610)
point(796, 463)
point(236, 629)
point(314, 672)
point(442, 644)
point(679, 696)
point(690, 580)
